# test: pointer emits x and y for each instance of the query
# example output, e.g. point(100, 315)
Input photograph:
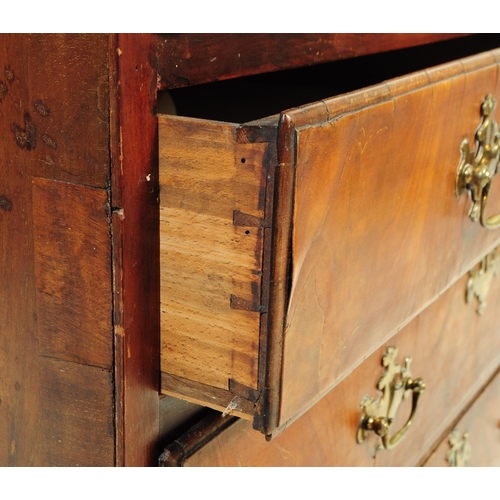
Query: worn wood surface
point(77, 417)
point(55, 345)
point(19, 362)
point(134, 157)
point(212, 197)
point(377, 230)
point(237, 399)
point(453, 349)
point(73, 272)
point(191, 59)
point(66, 118)
point(482, 423)
point(178, 451)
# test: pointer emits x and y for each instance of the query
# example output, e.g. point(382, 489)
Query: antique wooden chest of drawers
point(249, 249)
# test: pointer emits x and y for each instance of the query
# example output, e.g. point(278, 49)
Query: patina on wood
point(191, 59)
point(56, 339)
point(20, 410)
point(134, 163)
point(73, 272)
point(79, 218)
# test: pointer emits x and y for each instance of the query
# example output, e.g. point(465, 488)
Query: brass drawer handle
point(460, 450)
point(477, 168)
point(378, 415)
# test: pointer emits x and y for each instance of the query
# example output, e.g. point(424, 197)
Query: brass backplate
point(480, 280)
point(460, 449)
point(477, 168)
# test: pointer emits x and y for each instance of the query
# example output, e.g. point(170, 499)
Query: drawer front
point(475, 439)
point(454, 350)
point(378, 232)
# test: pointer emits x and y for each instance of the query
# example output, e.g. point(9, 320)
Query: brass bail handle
point(488, 222)
point(477, 168)
point(378, 415)
point(417, 386)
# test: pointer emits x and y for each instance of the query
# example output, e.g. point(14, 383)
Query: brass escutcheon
point(477, 168)
point(460, 450)
point(480, 280)
point(378, 415)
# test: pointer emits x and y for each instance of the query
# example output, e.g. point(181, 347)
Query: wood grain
point(212, 194)
point(186, 445)
point(377, 230)
point(19, 364)
point(55, 300)
point(136, 272)
point(73, 272)
point(237, 399)
point(77, 419)
point(453, 349)
point(68, 107)
point(367, 194)
point(482, 423)
point(191, 59)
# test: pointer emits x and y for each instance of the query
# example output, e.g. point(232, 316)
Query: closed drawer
point(453, 349)
point(294, 246)
point(475, 439)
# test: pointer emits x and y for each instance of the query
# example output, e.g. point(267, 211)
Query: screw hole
point(243, 160)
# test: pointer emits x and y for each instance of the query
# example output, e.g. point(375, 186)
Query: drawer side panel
point(212, 197)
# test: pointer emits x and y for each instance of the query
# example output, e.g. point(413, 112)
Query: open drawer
point(295, 246)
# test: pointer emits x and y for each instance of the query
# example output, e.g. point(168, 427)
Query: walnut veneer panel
point(453, 349)
point(377, 230)
point(77, 426)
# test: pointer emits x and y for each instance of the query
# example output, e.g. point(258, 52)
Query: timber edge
point(177, 452)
